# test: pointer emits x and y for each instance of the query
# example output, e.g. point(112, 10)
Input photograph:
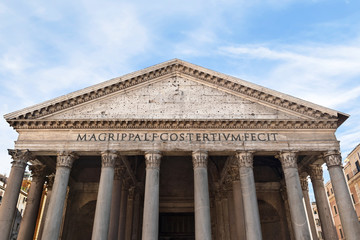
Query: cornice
point(173, 124)
point(174, 68)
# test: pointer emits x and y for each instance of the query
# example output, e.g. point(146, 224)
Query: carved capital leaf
point(315, 172)
point(108, 158)
point(332, 158)
point(200, 159)
point(152, 159)
point(37, 171)
point(288, 160)
point(234, 173)
point(20, 157)
point(245, 159)
point(65, 159)
point(50, 181)
point(119, 172)
point(304, 183)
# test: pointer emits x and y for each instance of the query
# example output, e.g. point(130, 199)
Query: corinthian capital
point(37, 171)
point(153, 159)
point(288, 160)
point(304, 183)
point(65, 159)
point(332, 158)
point(119, 172)
point(20, 157)
point(245, 159)
point(199, 159)
point(234, 173)
point(50, 181)
point(315, 172)
point(108, 158)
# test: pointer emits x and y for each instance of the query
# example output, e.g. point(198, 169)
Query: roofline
point(353, 150)
point(341, 116)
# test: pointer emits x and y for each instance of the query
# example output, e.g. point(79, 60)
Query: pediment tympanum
point(172, 92)
point(173, 98)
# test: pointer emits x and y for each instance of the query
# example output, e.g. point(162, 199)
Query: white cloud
point(318, 73)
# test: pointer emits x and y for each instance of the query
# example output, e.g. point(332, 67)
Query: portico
point(176, 151)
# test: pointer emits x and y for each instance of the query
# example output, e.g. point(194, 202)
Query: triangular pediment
point(173, 98)
point(175, 90)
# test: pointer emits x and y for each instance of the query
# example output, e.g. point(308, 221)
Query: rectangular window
point(341, 234)
point(352, 196)
point(347, 176)
point(357, 166)
point(331, 190)
point(335, 210)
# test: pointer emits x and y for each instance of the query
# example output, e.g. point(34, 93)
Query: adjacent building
point(352, 173)
point(20, 202)
point(317, 220)
point(177, 151)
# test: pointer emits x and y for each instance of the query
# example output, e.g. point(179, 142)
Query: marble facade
point(177, 151)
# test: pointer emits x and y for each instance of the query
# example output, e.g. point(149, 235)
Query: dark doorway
point(177, 226)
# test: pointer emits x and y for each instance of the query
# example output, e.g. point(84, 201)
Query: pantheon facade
point(176, 151)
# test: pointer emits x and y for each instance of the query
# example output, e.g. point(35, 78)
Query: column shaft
point(57, 200)
point(28, 222)
point(103, 202)
point(11, 195)
point(151, 201)
point(305, 189)
point(349, 220)
point(219, 218)
point(129, 214)
point(295, 196)
point(201, 196)
point(232, 221)
point(136, 219)
point(225, 210)
point(251, 209)
point(322, 203)
point(115, 204)
point(123, 209)
point(239, 210)
point(49, 185)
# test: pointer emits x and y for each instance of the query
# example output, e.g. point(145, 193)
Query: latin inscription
point(174, 137)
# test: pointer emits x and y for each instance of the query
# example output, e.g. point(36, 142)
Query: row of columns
point(107, 197)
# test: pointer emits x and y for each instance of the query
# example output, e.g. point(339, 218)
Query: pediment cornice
point(169, 69)
point(174, 124)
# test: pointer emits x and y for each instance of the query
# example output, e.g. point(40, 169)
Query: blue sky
point(309, 49)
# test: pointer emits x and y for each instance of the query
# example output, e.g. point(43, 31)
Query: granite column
point(309, 210)
point(49, 185)
point(123, 208)
point(28, 222)
point(151, 201)
point(201, 196)
point(349, 220)
point(322, 202)
point(238, 201)
point(295, 195)
point(103, 202)
point(115, 202)
point(56, 206)
point(11, 195)
point(251, 209)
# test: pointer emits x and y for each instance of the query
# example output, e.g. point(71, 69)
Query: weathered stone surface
point(173, 98)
